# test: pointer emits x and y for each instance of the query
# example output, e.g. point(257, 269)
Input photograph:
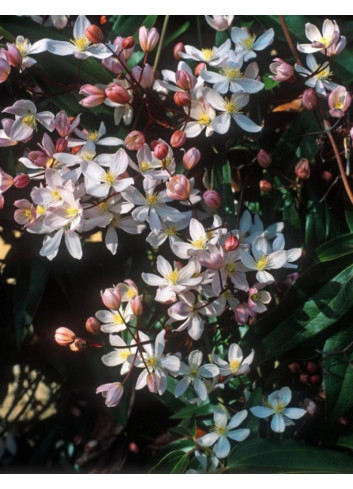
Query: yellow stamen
point(93, 136)
point(173, 276)
point(207, 53)
point(109, 178)
point(230, 268)
point(145, 166)
point(152, 199)
point(171, 231)
point(255, 297)
point(248, 43)
point(40, 210)
point(151, 361)
point(130, 293)
point(71, 212)
point(279, 408)
point(27, 213)
point(231, 107)
point(199, 244)
point(103, 206)
point(234, 365)
point(82, 43)
point(55, 194)
point(204, 119)
point(232, 73)
point(29, 120)
point(87, 155)
point(262, 263)
point(220, 429)
point(124, 355)
point(117, 319)
point(22, 46)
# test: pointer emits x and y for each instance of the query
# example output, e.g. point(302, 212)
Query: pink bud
point(2, 202)
point(5, 70)
point(265, 186)
point(128, 42)
point(264, 158)
point(326, 176)
point(135, 140)
point(93, 325)
point(178, 187)
point(148, 39)
point(191, 158)
point(291, 278)
point(302, 169)
point(178, 48)
point(64, 336)
point(21, 180)
point(212, 199)
point(6, 181)
point(160, 151)
point(136, 305)
point(183, 80)
point(62, 123)
point(182, 99)
point(339, 100)
point(96, 95)
point(178, 139)
point(118, 94)
point(231, 243)
point(94, 34)
point(61, 145)
point(200, 67)
point(145, 76)
point(39, 158)
point(13, 55)
point(282, 70)
point(78, 345)
point(309, 99)
point(111, 298)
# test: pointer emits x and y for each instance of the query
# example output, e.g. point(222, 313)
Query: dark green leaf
point(188, 411)
point(340, 246)
point(174, 462)
point(177, 33)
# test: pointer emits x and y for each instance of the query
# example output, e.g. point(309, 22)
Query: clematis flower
point(237, 365)
point(112, 392)
point(120, 355)
point(27, 118)
point(202, 114)
point(247, 44)
point(339, 100)
point(276, 406)
point(281, 70)
point(317, 76)
point(219, 22)
point(80, 46)
point(17, 54)
point(223, 431)
point(213, 57)
point(320, 42)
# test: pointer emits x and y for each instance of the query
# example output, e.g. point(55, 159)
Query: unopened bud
point(282, 71)
point(310, 406)
point(5, 70)
point(304, 378)
point(135, 140)
point(160, 150)
point(294, 368)
point(148, 39)
point(111, 298)
point(94, 34)
point(178, 187)
point(183, 80)
point(191, 158)
point(64, 336)
point(212, 199)
point(96, 95)
point(182, 99)
point(264, 158)
point(315, 379)
point(178, 139)
point(13, 55)
point(61, 145)
point(128, 42)
point(231, 243)
point(178, 48)
point(302, 169)
point(39, 158)
point(309, 99)
point(2, 202)
point(78, 345)
point(326, 176)
point(136, 305)
point(200, 67)
point(311, 367)
point(93, 326)
point(21, 180)
point(265, 186)
point(118, 94)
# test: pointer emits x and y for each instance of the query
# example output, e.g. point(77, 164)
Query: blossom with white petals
point(219, 22)
point(202, 115)
point(276, 406)
point(223, 430)
point(213, 57)
point(237, 365)
point(317, 76)
point(320, 42)
point(95, 136)
point(120, 355)
point(21, 51)
point(247, 44)
point(27, 118)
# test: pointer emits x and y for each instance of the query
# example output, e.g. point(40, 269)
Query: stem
point(289, 40)
point(161, 40)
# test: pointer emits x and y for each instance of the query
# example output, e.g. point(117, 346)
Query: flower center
point(22, 46)
point(71, 212)
point(93, 136)
point(232, 73)
point(230, 268)
point(262, 263)
point(324, 73)
point(234, 365)
point(151, 362)
point(130, 293)
point(152, 199)
point(81, 43)
point(29, 120)
point(109, 178)
point(199, 244)
point(255, 297)
point(171, 231)
point(279, 408)
point(40, 210)
point(145, 166)
point(87, 155)
point(27, 213)
point(55, 194)
point(231, 107)
point(204, 119)
point(124, 355)
point(117, 319)
point(103, 206)
point(207, 54)
point(249, 42)
point(173, 276)
point(220, 429)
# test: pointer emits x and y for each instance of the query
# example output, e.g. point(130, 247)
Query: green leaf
point(286, 456)
point(177, 33)
point(338, 373)
point(340, 246)
point(174, 462)
point(188, 411)
point(269, 82)
point(345, 441)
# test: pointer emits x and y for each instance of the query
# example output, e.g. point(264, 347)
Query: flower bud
point(302, 169)
point(160, 150)
point(183, 80)
point(96, 95)
point(264, 158)
point(128, 42)
point(199, 67)
point(294, 368)
point(111, 298)
point(21, 180)
point(78, 345)
point(178, 187)
point(282, 71)
point(148, 39)
point(178, 139)
point(265, 186)
point(145, 76)
point(212, 199)
point(304, 378)
point(94, 34)
point(2, 202)
point(178, 48)
point(231, 243)
point(191, 158)
point(136, 305)
point(6, 181)
point(39, 158)
point(93, 325)
point(61, 145)
point(182, 99)
point(118, 94)
point(311, 367)
point(135, 140)
point(5, 70)
point(111, 392)
point(64, 336)
point(326, 176)
point(309, 99)
point(13, 55)
point(315, 379)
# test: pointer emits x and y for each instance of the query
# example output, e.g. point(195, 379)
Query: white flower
point(95, 136)
point(25, 48)
point(219, 22)
point(247, 44)
point(276, 407)
point(236, 365)
point(292, 255)
point(194, 374)
point(317, 76)
point(80, 46)
point(320, 42)
point(202, 114)
point(213, 57)
point(222, 431)
point(27, 118)
point(120, 355)
point(114, 321)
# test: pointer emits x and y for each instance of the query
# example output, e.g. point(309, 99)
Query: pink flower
point(339, 100)
point(112, 392)
point(282, 71)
